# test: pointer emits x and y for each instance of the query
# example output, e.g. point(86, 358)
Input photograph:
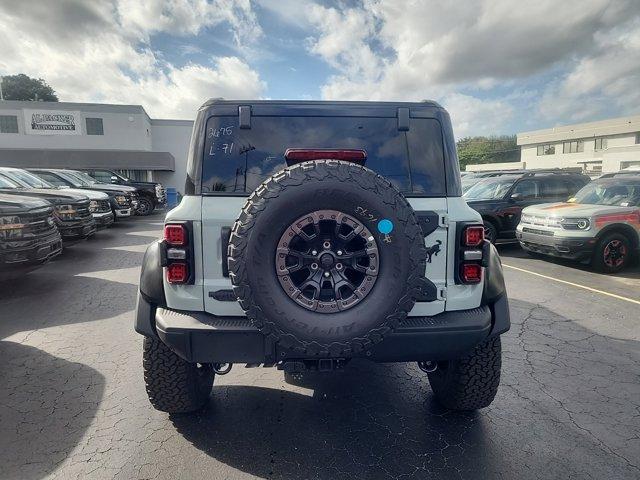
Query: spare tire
point(326, 258)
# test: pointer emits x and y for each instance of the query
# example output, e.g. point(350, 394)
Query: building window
point(574, 146)
point(8, 124)
point(94, 126)
point(600, 144)
point(546, 150)
point(637, 137)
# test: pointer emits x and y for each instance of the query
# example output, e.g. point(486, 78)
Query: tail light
point(471, 273)
point(473, 236)
point(177, 273)
point(471, 254)
point(175, 235)
point(295, 155)
point(177, 253)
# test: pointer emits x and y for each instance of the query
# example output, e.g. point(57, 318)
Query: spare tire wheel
point(326, 258)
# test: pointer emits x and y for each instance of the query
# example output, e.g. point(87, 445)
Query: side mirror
point(514, 197)
point(114, 179)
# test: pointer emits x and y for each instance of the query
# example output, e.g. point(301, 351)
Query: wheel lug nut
point(314, 252)
point(326, 274)
point(338, 266)
point(339, 252)
point(314, 266)
point(326, 245)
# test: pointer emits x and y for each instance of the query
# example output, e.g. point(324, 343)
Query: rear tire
point(602, 259)
point(173, 384)
point(470, 382)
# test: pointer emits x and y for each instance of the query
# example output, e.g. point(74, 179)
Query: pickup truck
point(151, 195)
point(28, 234)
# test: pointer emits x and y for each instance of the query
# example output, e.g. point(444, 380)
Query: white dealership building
point(595, 147)
point(91, 135)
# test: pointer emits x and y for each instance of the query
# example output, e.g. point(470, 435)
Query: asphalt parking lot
point(73, 405)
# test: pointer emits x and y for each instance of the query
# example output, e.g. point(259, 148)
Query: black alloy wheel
point(327, 261)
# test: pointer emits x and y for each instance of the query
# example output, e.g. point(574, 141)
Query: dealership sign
point(52, 122)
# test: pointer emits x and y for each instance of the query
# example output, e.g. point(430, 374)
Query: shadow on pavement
point(355, 424)
point(380, 421)
point(46, 405)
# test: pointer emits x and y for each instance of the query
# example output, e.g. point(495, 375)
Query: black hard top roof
point(337, 103)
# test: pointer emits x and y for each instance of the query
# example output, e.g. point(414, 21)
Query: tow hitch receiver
point(313, 365)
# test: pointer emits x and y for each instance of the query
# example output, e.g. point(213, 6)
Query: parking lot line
point(602, 292)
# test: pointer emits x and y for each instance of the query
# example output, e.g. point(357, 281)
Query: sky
point(498, 66)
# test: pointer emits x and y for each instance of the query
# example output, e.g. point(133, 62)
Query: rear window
point(236, 161)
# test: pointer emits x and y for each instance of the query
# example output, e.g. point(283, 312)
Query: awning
point(108, 159)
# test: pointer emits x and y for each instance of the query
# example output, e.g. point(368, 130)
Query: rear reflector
point(471, 273)
point(295, 155)
point(175, 235)
point(177, 273)
point(473, 236)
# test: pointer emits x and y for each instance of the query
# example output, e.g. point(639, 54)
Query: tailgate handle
point(225, 234)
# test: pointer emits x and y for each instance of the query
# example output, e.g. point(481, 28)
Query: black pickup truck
point(71, 211)
point(28, 234)
point(151, 195)
point(121, 198)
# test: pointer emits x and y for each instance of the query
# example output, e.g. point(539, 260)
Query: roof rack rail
point(620, 173)
point(554, 171)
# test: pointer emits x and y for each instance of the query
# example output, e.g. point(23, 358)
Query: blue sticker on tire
point(385, 226)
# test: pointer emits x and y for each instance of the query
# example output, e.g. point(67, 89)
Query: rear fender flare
point(151, 284)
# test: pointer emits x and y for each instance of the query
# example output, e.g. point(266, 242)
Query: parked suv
point(500, 200)
point(120, 201)
point(151, 195)
point(313, 233)
point(600, 224)
point(28, 234)
point(71, 211)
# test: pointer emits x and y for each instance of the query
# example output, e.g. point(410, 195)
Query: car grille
point(38, 222)
point(103, 206)
point(82, 210)
point(537, 231)
point(539, 221)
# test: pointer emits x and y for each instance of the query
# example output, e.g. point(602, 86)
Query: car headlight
point(93, 206)
point(66, 212)
point(121, 199)
point(576, 223)
point(10, 227)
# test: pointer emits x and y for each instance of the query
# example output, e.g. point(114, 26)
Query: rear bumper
point(205, 338)
point(574, 248)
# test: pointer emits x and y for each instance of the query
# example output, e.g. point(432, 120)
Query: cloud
point(88, 54)
point(604, 80)
point(389, 50)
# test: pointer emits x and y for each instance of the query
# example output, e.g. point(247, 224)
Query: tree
point(22, 87)
point(475, 150)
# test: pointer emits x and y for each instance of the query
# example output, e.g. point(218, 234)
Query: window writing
point(238, 160)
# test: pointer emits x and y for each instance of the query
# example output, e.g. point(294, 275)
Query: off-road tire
point(471, 382)
point(173, 384)
point(282, 326)
point(597, 260)
point(145, 207)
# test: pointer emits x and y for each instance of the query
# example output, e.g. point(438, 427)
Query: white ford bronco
point(313, 233)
